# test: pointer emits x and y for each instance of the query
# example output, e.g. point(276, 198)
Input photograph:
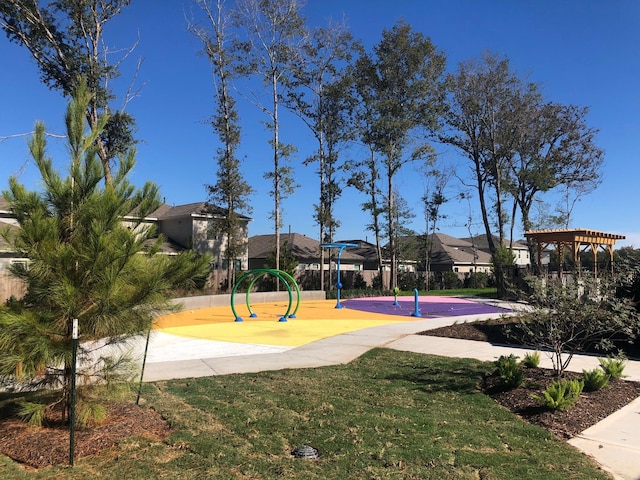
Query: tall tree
point(318, 95)
point(555, 148)
point(66, 39)
point(402, 80)
point(481, 122)
point(365, 177)
point(231, 189)
point(274, 30)
point(84, 264)
point(433, 198)
point(482, 103)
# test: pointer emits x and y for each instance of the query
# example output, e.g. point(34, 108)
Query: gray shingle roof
point(481, 242)
point(4, 204)
point(197, 209)
point(451, 250)
point(364, 249)
point(302, 247)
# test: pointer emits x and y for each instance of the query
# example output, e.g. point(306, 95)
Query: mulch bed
point(42, 447)
point(589, 410)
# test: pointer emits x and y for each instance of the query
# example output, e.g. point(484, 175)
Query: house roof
point(167, 247)
point(197, 209)
point(364, 249)
point(4, 205)
point(481, 242)
point(451, 250)
point(302, 247)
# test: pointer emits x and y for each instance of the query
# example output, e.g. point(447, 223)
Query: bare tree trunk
point(392, 233)
point(276, 172)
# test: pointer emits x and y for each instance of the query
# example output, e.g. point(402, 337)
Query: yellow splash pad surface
point(314, 320)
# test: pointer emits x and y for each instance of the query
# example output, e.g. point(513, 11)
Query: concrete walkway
point(614, 442)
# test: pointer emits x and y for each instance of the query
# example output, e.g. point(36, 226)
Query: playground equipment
point(416, 295)
point(341, 247)
point(395, 292)
point(258, 273)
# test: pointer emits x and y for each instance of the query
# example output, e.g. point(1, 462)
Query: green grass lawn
point(461, 292)
point(387, 415)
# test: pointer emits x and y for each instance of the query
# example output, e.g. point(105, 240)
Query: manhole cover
point(305, 451)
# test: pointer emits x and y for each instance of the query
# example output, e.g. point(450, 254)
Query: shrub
point(579, 316)
point(594, 379)
point(531, 360)
point(451, 281)
point(359, 283)
point(613, 366)
point(510, 371)
point(32, 413)
point(561, 394)
point(91, 414)
point(476, 280)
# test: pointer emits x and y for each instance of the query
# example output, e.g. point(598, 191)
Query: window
point(212, 231)
point(315, 266)
point(237, 264)
point(22, 263)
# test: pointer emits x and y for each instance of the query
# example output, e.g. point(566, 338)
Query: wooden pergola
point(578, 241)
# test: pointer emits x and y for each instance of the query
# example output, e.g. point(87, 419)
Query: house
point(406, 259)
point(366, 250)
point(9, 285)
point(183, 226)
point(520, 249)
point(306, 253)
point(305, 250)
point(451, 254)
point(190, 226)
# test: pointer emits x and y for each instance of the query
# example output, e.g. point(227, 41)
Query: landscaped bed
point(590, 408)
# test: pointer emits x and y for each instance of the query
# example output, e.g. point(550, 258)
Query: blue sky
point(584, 52)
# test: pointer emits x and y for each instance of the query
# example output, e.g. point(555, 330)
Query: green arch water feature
point(258, 273)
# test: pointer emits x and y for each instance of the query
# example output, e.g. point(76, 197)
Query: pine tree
point(84, 264)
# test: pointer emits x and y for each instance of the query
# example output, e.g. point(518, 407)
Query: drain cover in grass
point(305, 451)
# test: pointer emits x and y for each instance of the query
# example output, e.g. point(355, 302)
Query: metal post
point(338, 282)
point(72, 406)
point(144, 362)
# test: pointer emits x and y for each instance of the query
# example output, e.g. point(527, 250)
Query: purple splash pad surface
point(429, 307)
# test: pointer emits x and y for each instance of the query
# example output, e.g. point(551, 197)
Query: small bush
point(90, 414)
point(32, 413)
point(594, 379)
point(561, 394)
point(476, 280)
point(531, 360)
point(613, 366)
point(451, 281)
point(510, 371)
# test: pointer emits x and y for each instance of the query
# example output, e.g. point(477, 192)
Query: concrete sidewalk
point(613, 442)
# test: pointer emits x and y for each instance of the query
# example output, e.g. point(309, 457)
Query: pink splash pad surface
point(429, 307)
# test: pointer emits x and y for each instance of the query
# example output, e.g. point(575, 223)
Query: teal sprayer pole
point(341, 247)
point(416, 312)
